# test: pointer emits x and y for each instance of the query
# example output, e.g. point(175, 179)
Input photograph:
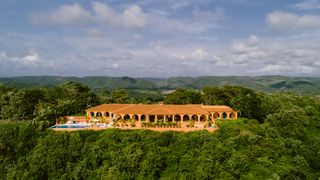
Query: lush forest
point(298, 85)
point(276, 137)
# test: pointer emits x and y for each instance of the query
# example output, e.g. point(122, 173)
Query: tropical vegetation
point(276, 137)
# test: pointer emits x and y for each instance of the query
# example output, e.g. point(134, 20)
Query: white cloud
point(105, 13)
point(290, 55)
point(171, 44)
point(284, 21)
point(133, 17)
point(307, 5)
point(64, 15)
point(75, 14)
point(3, 55)
point(243, 48)
point(31, 57)
point(111, 55)
point(96, 33)
point(253, 40)
point(200, 21)
point(248, 50)
point(199, 54)
point(22, 60)
point(209, 16)
point(193, 55)
point(115, 66)
point(294, 55)
point(279, 69)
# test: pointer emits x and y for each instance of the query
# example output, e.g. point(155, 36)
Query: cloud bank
point(74, 14)
point(307, 5)
point(284, 21)
point(163, 38)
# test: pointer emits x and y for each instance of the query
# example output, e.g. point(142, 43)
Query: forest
point(276, 137)
point(298, 85)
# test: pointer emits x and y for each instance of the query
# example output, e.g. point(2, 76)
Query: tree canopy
point(277, 137)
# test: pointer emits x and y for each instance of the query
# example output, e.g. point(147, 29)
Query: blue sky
point(153, 38)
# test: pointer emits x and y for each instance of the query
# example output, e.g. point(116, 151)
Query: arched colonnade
point(212, 116)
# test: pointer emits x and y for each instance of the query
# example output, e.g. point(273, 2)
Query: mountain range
point(300, 85)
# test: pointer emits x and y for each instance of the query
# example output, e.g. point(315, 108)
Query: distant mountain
point(301, 85)
point(93, 82)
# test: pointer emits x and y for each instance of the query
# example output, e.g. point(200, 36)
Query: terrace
point(155, 117)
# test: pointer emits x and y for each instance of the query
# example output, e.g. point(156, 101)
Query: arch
point(194, 117)
point(160, 118)
point(126, 117)
point(107, 114)
point(186, 118)
point(92, 114)
point(152, 118)
point(143, 118)
point(177, 117)
point(98, 114)
point(232, 115)
point(216, 115)
point(203, 118)
point(135, 117)
point(224, 115)
point(169, 118)
point(118, 116)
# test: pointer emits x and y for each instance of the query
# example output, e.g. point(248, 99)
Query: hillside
point(300, 85)
point(276, 136)
point(93, 82)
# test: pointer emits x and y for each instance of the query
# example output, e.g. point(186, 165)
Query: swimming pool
point(81, 126)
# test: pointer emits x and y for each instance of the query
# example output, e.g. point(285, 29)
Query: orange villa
point(145, 113)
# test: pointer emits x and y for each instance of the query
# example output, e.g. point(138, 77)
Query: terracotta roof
point(135, 109)
point(107, 107)
point(159, 109)
point(217, 108)
point(187, 109)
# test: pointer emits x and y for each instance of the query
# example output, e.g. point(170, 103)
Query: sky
point(159, 38)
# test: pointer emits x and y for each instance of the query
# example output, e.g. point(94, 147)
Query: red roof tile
point(159, 109)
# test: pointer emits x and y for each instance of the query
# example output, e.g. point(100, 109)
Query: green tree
point(104, 96)
point(289, 121)
point(78, 95)
point(244, 100)
point(46, 112)
point(183, 96)
point(20, 104)
point(120, 96)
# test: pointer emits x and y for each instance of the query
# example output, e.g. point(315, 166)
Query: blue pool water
point(70, 126)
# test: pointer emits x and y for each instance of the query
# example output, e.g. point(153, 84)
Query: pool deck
point(136, 128)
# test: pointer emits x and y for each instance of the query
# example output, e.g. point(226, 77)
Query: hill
point(300, 85)
point(93, 82)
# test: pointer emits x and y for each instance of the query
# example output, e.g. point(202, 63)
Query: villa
point(154, 113)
